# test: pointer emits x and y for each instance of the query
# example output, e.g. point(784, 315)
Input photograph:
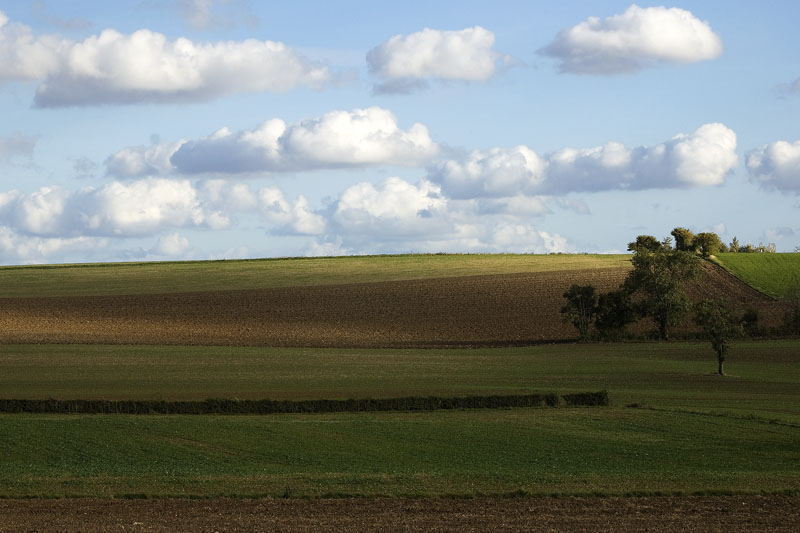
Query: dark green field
point(690, 430)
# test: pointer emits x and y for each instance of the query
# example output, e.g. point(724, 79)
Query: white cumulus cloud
point(139, 161)
point(362, 137)
point(395, 216)
point(494, 173)
point(115, 68)
point(776, 166)
point(701, 158)
point(404, 62)
point(637, 38)
point(121, 209)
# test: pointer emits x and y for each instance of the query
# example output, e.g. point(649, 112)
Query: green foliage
point(222, 406)
point(777, 275)
point(580, 308)
point(684, 240)
point(719, 327)
point(750, 323)
point(614, 312)
point(645, 242)
point(707, 244)
point(657, 279)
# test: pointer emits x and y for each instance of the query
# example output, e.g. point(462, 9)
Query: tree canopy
point(657, 280)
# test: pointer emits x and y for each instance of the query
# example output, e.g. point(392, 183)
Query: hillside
point(777, 275)
point(109, 279)
point(428, 308)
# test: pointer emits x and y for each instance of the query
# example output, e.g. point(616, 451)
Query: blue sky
point(202, 129)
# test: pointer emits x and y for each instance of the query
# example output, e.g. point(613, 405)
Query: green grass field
point(775, 274)
point(692, 431)
point(195, 276)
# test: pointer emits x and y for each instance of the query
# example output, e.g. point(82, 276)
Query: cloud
point(638, 38)
point(405, 62)
point(114, 68)
point(702, 158)
point(171, 245)
point(17, 145)
point(362, 137)
point(138, 161)
point(25, 56)
point(776, 166)
point(389, 216)
point(396, 216)
point(16, 248)
point(286, 217)
point(119, 209)
point(207, 14)
point(392, 207)
point(491, 173)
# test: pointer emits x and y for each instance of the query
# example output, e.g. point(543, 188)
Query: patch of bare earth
point(475, 310)
point(683, 514)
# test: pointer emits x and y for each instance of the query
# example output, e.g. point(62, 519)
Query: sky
point(147, 130)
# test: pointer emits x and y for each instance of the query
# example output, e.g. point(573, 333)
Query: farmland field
point(466, 310)
point(775, 274)
point(374, 327)
point(201, 276)
point(674, 426)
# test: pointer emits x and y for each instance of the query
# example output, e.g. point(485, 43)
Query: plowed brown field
point(680, 514)
point(475, 310)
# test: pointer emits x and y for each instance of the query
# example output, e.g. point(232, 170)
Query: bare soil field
point(494, 310)
point(680, 514)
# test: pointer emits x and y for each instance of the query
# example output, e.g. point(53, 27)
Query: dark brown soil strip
point(678, 514)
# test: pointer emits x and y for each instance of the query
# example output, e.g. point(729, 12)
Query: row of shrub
point(262, 407)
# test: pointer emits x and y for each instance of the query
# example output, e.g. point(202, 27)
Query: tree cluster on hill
point(655, 288)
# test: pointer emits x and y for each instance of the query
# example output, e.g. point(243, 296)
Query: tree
point(684, 240)
point(707, 244)
point(719, 326)
point(734, 247)
point(614, 312)
point(647, 242)
point(580, 308)
point(657, 278)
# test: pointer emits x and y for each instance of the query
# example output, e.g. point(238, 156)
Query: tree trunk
point(721, 372)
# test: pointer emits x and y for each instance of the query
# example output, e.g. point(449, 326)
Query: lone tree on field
point(580, 308)
point(657, 278)
point(719, 326)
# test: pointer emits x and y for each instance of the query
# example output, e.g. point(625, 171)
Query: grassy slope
point(775, 274)
point(153, 278)
point(700, 433)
